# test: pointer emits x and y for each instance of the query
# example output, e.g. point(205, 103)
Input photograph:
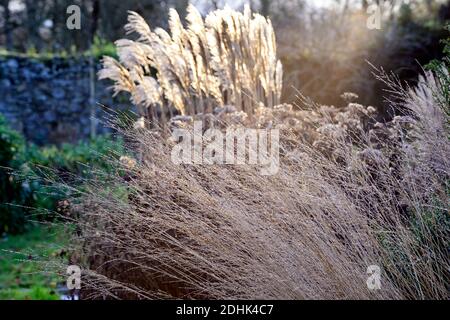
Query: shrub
point(75, 159)
point(27, 174)
point(100, 48)
point(71, 164)
point(12, 193)
point(442, 69)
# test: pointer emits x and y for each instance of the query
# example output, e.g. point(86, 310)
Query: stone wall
point(48, 100)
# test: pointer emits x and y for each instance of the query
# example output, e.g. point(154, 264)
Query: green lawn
point(24, 260)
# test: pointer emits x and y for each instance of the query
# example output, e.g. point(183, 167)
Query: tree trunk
point(265, 7)
point(92, 78)
point(8, 27)
point(32, 23)
point(365, 5)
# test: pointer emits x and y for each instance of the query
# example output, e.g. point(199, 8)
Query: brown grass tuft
point(350, 193)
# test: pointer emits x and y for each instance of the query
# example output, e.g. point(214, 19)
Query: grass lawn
point(23, 260)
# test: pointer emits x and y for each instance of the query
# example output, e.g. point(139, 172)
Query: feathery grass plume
point(229, 58)
point(350, 193)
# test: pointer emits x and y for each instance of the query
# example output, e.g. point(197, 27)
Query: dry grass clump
point(228, 58)
point(309, 232)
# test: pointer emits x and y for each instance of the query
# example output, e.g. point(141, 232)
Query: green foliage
point(34, 293)
point(436, 222)
point(28, 174)
point(11, 143)
point(75, 158)
point(12, 194)
point(23, 260)
point(99, 49)
point(442, 69)
point(102, 47)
